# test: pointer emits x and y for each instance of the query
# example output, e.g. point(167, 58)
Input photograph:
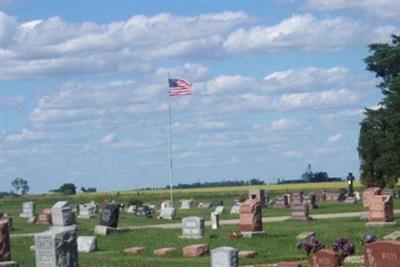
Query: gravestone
point(5, 249)
point(186, 204)
point(332, 197)
point(311, 201)
point(87, 211)
point(168, 214)
point(380, 211)
point(192, 227)
point(382, 253)
point(320, 195)
point(342, 194)
point(296, 198)
point(250, 223)
point(235, 208)
point(224, 257)
point(28, 209)
point(87, 244)
point(258, 194)
point(143, 212)
point(109, 216)
point(61, 214)
point(56, 248)
point(217, 202)
point(368, 196)
point(325, 258)
point(131, 209)
point(219, 209)
point(300, 212)
point(166, 204)
point(44, 217)
point(214, 220)
point(196, 250)
point(281, 202)
point(203, 205)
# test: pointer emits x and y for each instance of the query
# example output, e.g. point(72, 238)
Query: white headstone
point(61, 214)
point(186, 204)
point(87, 211)
point(28, 209)
point(235, 208)
point(168, 213)
point(56, 248)
point(87, 244)
point(214, 220)
point(192, 227)
point(224, 257)
point(219, 209)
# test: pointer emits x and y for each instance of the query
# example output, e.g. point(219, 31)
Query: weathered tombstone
point(380, 211)
point(131, 209)
point(192, 227)
point(186, 204)
point(87, 211)
point(310, 200)
point(56, 248)
point(258, 194)
point(325, 258)
point(110, 215)
point(382, 253)
point(219, 209)
point(28, 209)
point(168, 214)
point(5, 249)
point(300, 212)
point(296, 198)
point(281, 202)
point(224, 257)
point(217, 202)
point(44, 217)
point(87, 244)
point(251, 218)
point(235, 208)
point(214, 220)
point(61, 214)
point(143, 212)
point(320, 195)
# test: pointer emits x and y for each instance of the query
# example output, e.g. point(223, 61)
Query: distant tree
point(67, 189)
point(379, 140)
point(21, 186)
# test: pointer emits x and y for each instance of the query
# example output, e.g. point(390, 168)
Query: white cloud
point(53, 46)
point(380, 8)
point(283, 124)
point(25, 135)
point(335, 138)
point(304, 32)
point(108, 139)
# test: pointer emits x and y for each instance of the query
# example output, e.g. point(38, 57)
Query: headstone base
point(190, 237)
point(350, 200)
point(86, 216)
point(25, 215)
point(254, 234)
point(68, 227)
point(380, 224)
point(104, 230)
point(8, 264)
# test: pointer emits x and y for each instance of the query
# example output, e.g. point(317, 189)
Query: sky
point(276, 85)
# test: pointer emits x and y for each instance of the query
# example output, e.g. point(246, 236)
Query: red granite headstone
point(258, 194)
point(381, 209)
point(296, 198)
point(5, 252)
point(250, 216)
point(325, 258)
point(382, 253)
point(368, 195)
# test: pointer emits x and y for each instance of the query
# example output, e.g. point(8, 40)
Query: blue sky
point(276, 86)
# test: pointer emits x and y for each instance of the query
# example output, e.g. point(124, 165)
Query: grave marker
point(192, 227)
point(251, 218)
point(28, 209)
point(87, 244)
point(325, 258)
point(61, 214)
point(214, 221)
point(382, 253)
point(224, 257)
point(110, 215)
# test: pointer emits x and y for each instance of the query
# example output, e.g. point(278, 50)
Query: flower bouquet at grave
point(343, 247)
point(367, 238)
point(310, 245)
point(235, 235)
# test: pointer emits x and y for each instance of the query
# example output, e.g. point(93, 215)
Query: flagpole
point(171, 169)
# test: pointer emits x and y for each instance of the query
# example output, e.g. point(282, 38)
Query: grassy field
point(280, 244)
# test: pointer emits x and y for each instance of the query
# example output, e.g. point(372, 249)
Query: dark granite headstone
point(110, 214)
point(5, 250)
point(143, 212)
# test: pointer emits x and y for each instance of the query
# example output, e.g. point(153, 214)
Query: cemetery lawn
point(280, 244)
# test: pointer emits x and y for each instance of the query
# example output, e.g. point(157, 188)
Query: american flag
point(179, 87)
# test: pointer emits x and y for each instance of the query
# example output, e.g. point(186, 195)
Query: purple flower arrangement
point(343, 247)
point(368, 239)
point(310, 245)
